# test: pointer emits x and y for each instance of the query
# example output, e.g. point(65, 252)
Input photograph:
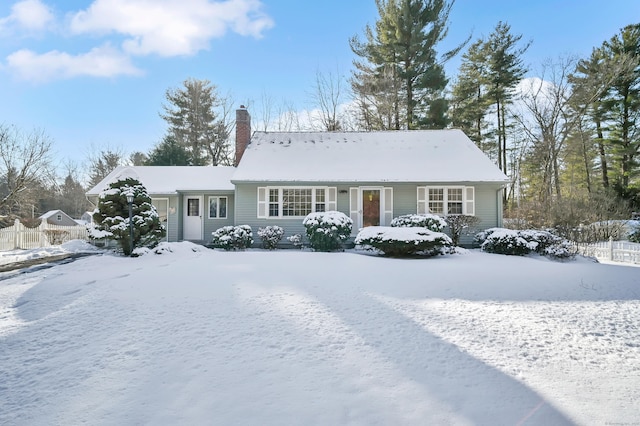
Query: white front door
point(193, 214)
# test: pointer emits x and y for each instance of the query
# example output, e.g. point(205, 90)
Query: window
point(436, 200)
point(193, 207)
point(446, 200)
point(217, 207)
point(59, 218)
point(295, 202)
point(454, 201)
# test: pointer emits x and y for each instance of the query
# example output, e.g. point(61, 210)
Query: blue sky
point(93, 73)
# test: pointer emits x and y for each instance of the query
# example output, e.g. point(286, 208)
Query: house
point(58, 217)
point(192, 201)
point(280, 177)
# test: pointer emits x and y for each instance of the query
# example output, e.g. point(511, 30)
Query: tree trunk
point(603, 157)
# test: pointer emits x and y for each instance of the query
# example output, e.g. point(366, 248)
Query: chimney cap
point(242, 107)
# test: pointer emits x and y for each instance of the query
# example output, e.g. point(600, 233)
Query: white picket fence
point(19, 236)
point(616, 251)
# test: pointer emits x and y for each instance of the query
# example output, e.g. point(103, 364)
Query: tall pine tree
point(192, 113)
point(399, 71)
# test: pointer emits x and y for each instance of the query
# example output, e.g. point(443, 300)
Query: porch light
point(129, 196)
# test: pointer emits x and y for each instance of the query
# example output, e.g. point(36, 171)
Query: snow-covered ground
point(195, 336)
point(75, 246)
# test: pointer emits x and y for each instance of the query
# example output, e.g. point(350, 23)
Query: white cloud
point(171, 27)
point(103, 61)
point(31, 15)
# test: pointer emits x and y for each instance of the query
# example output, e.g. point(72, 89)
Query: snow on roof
point(389, 156)
point(171, 179)
point(50, 213)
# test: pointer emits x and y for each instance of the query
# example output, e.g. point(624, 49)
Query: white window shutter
point(262, 202)
point(388, 206)
point(470, 202)
point(422, 200)
point(332, 198)
point(354, 209)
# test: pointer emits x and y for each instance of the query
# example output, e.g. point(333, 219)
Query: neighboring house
point(280, 177)
point(58, 217)
point(86, 218)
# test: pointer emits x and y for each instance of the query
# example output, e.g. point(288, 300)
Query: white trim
point(262, 202)
point(421, 196)
point(356, 205)
point(468, 199)
point(387, 206)
point(226, 210)
point(330, 200)
point(355, 209)
point(187, 222)
point(469, 206)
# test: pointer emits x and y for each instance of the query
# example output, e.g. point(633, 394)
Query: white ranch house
point(280, 177)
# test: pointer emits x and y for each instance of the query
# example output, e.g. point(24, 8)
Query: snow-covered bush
point(111, 217)
point(430, 221)
point(296, 240)
point(504, 241)
point(403, 241)
point(458, 223)
point(327, 231)
point(232, 237)
point(522, 242)
point(270, 236)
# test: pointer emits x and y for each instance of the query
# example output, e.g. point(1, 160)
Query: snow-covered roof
point(50, 213)
point(172, 179)
point(390, 156)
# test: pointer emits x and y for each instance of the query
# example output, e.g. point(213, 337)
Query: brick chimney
point(243, 132)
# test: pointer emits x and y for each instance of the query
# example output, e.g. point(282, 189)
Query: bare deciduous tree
point(327, 96)
point(25, 165)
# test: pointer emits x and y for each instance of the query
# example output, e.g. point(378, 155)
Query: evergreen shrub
point(111, 217)
point(296, 240)
point(327, 231)
point(232, 237)
point(270, 236)
point(430, 221)
point(403, 241)
point(523, 242)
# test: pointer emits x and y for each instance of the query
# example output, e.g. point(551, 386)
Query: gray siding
point(246, 212)
point(487, 205)
point(209, 225)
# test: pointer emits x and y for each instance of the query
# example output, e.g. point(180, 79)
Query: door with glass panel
point(192, 226)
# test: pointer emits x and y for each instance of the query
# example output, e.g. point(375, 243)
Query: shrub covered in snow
point(403, 241)
point(232, 237)
point(296, 240)
point(270, 236)
point(327, 231)
point(430, 221)
point(522, 242)
point(111, 218)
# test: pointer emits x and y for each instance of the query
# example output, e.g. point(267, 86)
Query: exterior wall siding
point(209, 225)
point(487, 205)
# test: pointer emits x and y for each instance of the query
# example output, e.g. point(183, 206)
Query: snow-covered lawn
point(75, 246)
point(197, 337)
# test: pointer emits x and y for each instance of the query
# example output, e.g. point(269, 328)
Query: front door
point(192, 227)
point(370, 207)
